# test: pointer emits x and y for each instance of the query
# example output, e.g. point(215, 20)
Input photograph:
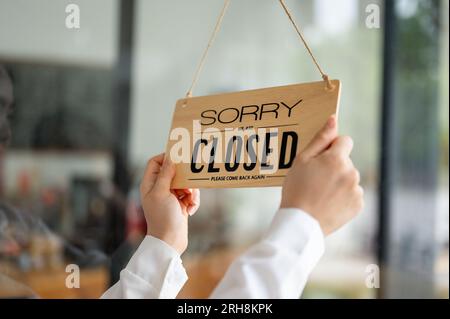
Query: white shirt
point(276, 267)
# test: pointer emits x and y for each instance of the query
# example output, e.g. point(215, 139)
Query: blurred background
point(93, 104)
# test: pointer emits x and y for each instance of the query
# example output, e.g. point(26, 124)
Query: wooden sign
point(248, 138)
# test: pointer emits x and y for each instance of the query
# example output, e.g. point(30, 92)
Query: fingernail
point(167, 161)
point(191, 213)
point(331, 121)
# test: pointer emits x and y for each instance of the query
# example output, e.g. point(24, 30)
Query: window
point(93, 104)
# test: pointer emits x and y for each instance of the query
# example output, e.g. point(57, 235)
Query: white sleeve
point(154, 271)
point(278, 266)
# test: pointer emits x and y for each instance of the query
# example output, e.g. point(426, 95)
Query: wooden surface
point(50, 284)
point(310, 106)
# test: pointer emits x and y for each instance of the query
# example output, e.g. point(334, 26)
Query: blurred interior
point(93, 104)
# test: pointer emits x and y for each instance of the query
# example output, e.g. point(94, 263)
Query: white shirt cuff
point(298, 232)
point(159, 265)
point(278, 266)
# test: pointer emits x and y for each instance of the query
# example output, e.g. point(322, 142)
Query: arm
point(320, 194)
point(279, 265)
point(155, 270)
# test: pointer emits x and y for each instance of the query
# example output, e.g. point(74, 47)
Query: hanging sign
point(248, 138)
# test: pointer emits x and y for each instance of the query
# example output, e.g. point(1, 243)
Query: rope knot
point(326, 78)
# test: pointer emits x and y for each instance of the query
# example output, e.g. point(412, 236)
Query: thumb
point(322, 140)
point(166, 175)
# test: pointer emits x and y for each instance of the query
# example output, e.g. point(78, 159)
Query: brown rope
point(216, 31)
point(300, 34)
point(210, 42)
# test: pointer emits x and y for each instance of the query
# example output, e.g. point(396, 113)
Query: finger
point(182, 193)
point(360, 199)
point(322, 139)
point(360, 191)
point(343, 146)
point(192, 209)
point(185, 203)
point(358, 177)
point(151, 173)
point(165, 176)
point(194, 198)
point(179, 193)
point(185, 191)
point(192, 202)
point(188, 198)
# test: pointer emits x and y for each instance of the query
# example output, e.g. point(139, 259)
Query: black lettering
point(211, 168)
point(267, 150)
point(197, 144)
point(237, 158)
point(228, 109)
point(255, 113)
point(251, 153)
point(275, 110)
point(283, 149)
point(208, 117)
point(290, 108)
